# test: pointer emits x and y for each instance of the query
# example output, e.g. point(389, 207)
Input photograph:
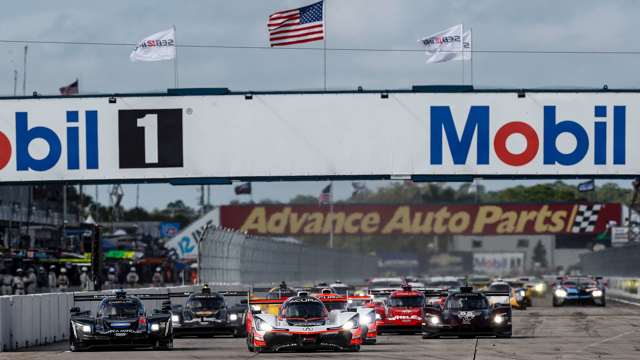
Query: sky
point(497, 25)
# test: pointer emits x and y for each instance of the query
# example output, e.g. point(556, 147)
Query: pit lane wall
point(32, 320)
point(616, 261)
point(233, 257)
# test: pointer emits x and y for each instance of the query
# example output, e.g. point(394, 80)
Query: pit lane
point(540, 332)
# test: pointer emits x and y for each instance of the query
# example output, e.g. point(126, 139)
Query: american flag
point(71, 89)
point(325, 195)
point(296, 26)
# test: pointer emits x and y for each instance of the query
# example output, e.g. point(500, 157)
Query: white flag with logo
point(466, 45)
point(157, 47)
point(444, 45)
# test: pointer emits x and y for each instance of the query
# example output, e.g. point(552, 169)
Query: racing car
point(367, 314)
point(468, 313)
point(302, 323)
point(206, 313)
point(404, 311)
point(517, 299)
point(579, 290)
point(120, 320)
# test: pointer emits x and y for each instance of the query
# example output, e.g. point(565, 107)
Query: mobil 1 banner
point(310, 135)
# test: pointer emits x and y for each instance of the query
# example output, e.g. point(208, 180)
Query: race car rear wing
point(381, 292)
point(226, 293)
point(100, 297)
point(498, 298)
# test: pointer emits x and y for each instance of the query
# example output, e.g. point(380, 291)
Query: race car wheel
point(429, 336)
point(74, 344)
point(555, 302)
point(370, 342)
point(238, 333)
point(603, 302)
point(505, 335)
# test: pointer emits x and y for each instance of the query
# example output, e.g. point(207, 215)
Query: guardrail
point(231, 256)
point(616, 261)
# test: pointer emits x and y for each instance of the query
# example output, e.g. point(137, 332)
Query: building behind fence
point(230, 256)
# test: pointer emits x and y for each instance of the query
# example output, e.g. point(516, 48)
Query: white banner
point(445, 45)
point(480, 134)
point(157, 47)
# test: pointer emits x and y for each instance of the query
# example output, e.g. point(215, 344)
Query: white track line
point(623, 301)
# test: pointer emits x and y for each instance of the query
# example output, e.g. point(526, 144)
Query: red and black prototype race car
point(403, 311)
point(468, 313)
point(302, 323)
point(207, 313)
point(121, 321)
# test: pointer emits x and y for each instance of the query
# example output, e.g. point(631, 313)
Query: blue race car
point(579, 290)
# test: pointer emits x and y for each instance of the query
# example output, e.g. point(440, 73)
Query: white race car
point(303, 323)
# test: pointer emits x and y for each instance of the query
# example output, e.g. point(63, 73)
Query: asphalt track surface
point(540, 332)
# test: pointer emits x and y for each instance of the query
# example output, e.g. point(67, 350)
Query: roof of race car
point(301, 299)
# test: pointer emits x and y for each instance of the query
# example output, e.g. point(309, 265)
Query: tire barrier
point(230, 256)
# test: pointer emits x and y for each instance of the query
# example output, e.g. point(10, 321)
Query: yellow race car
point(517, 298)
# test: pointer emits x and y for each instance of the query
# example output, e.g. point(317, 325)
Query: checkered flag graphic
point(586, 218)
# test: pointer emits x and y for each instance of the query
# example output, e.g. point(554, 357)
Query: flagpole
point(462, 52)
point(324, 46)
point(471, 41)
point(331, 215)
point(175, 59)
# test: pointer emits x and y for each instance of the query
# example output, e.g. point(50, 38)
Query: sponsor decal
point(466, 316)
point(497, 219)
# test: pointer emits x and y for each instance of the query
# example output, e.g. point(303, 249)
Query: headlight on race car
point(560, 293)
point(522, 293)
point(175, 319)
point(155, 327)
point(366, 319)
point(263, 326)
point(378, 317)
point(233, 317)
point(498, 319)
point(539, 287)
point(348, 325)
point(85, 328)
point(596, 293)
point(434, 320)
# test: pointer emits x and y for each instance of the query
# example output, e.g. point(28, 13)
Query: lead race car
point(302, 323)
point(120, 321)
point(469, 313)
point(207, 313)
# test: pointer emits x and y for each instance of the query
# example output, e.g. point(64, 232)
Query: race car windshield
point(406, 301)
point(466, 303)
point(500, 288)
point(336, 306)
point(304, 310)
point(206, 303)
point(359, 302)
point(121, 309)
point(569, 283)
point(341, 290)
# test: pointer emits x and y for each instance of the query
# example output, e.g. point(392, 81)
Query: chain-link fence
point(230, 256)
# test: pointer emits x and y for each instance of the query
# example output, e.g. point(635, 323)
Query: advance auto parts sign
point(504, 219)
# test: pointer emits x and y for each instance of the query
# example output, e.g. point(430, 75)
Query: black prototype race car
point(468, 313)
point(206, 314)
point(121, 321)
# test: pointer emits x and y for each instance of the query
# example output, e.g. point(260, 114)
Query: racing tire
point(603, 303)
point(370, 342)
point(354, 348)
point(555, 303)
point(506, 335)
point(429, 336)
point(238, 333)
point(75, 345)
